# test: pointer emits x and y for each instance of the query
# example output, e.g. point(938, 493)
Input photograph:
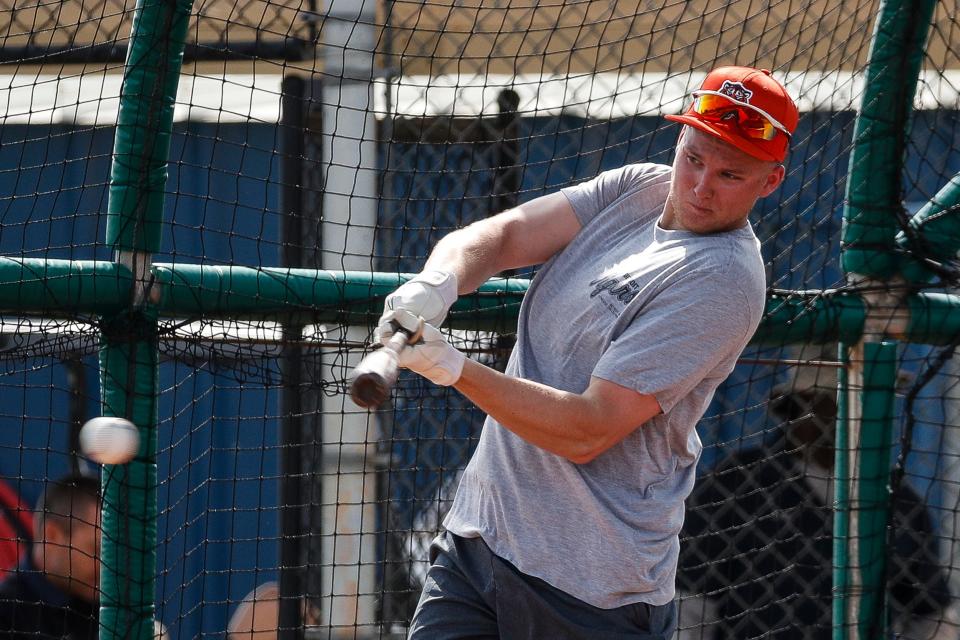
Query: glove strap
point(444, 282)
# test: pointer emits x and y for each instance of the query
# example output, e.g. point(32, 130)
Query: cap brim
point(727, 136)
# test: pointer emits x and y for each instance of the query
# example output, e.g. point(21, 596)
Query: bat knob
point(413, 335)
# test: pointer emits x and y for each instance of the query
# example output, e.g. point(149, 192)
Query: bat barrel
point(376, 374)
point(369, 390)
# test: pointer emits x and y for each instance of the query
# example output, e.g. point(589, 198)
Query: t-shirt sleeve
point(688, 332)
point(592, 196)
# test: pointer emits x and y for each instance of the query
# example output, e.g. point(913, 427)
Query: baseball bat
point(376, 374)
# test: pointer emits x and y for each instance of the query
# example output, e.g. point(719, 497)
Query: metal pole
point(292, 505)
point(128, 350)
point(871, 218)
point(864, 445)
point(350, 205)
point(936, 230)
point(841, 515)
point(871, 488)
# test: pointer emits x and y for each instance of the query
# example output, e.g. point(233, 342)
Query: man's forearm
point(557, 421)
point(470, 254)
point(528, 234)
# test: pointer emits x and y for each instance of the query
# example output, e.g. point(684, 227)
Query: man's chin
point(698, 223)
point(704, 223)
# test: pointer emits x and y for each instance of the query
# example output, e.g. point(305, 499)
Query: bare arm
point(578, 427)
point(525, 235)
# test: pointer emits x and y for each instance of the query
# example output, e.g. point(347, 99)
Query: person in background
point(16, 528)
point(759, 539)
point(258, 615)
point(53, 593)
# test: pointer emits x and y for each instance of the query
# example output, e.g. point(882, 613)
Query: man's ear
point(774, 180)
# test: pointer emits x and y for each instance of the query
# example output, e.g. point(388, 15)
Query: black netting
point(353, 136)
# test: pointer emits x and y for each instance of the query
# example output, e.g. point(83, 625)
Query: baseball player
point(565, 523)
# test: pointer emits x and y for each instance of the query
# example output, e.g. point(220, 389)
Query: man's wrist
point(450, 371)
point(433, 357)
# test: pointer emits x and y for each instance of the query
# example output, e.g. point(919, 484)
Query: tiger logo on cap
point(735, 91)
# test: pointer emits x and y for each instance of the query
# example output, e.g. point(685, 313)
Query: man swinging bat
point(566, 520)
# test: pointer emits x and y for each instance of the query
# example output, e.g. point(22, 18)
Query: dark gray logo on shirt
point(624, 288)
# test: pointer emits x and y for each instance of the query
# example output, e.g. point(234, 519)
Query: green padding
point(872, 500)
point(35, 285)
point(937, 227)
point(129, 389)
point(870, 222)
point(65, 288)
point(811, 318)
point(934, 318)
point(138, 175)
point(348, 297)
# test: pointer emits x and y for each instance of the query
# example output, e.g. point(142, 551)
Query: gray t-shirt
point(664, 312)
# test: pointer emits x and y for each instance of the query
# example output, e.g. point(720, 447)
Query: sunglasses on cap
point(752, 121)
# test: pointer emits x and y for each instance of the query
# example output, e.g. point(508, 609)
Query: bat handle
point(376, 374)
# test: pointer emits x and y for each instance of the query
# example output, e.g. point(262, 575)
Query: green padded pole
point(864, 442)
point(869, 251)
point(356, 297)
point(871, 501)
point(810, 318)
point(128, 368)
point(128, 350)
point(138, 174)
point(311, 295)
point(67, 288)
point(934, 318)
point(876, 160)
point(62, 287)
point(937, 226)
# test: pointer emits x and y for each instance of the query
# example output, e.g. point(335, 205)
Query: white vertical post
point(349, 159)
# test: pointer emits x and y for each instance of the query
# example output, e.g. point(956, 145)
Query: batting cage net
point(203, 204)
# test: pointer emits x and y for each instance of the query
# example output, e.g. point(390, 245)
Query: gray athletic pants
point(472, 593)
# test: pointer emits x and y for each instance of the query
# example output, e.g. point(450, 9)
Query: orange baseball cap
point(745, 107)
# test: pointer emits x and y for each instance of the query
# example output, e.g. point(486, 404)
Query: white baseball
point(109, 440)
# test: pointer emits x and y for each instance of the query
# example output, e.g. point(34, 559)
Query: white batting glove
point(431, 356)
point(428, 295)
point(392, 321)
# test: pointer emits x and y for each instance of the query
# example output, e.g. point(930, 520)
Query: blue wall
point(218, 460)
